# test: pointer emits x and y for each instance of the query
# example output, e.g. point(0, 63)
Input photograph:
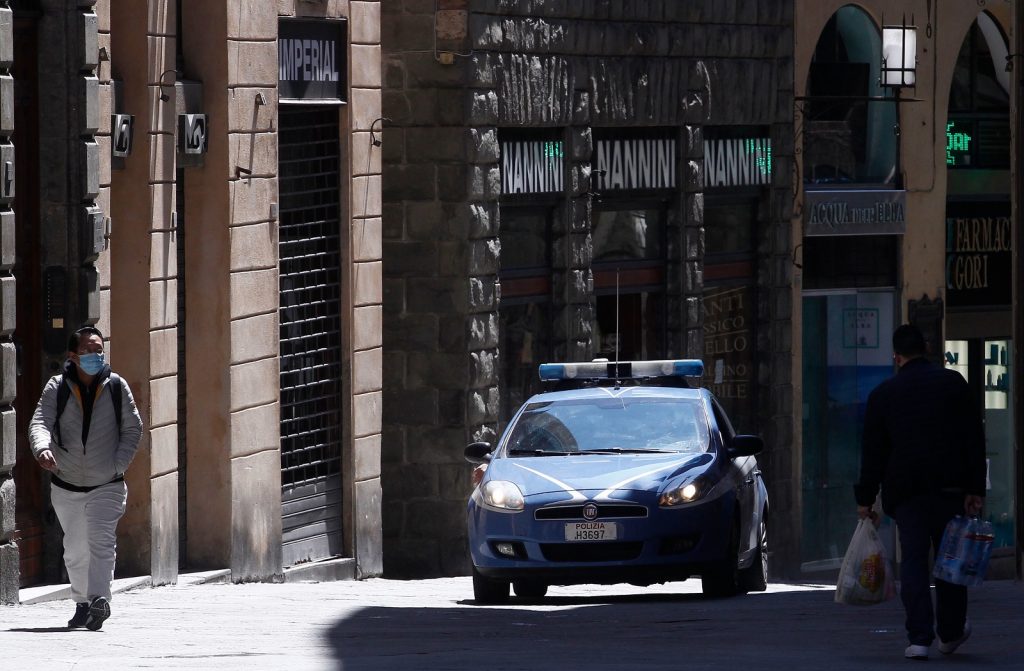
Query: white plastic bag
point(866, 574)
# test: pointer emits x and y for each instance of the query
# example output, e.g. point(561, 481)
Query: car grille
point(590, 552)
point(604, 511)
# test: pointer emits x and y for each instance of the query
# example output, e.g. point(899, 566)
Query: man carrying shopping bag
point(924, 445)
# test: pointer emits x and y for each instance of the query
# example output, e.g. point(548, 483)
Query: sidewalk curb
point(33, 595)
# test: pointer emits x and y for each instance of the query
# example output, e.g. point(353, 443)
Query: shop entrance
point(310, 325)
point(32, 502)
point(847, 352)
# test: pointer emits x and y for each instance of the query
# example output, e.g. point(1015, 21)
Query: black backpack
point(64, 393)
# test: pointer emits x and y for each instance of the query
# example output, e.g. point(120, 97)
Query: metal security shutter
point(310, 322)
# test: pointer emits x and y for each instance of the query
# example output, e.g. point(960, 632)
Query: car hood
point(591, 475)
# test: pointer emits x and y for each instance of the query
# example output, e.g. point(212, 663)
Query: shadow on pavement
point(776, 630)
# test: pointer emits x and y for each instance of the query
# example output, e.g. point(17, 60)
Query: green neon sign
point(958, 145)
point(762, 152)
point(554, 149)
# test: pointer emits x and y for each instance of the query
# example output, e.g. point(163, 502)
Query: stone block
point(7, 175)
point(8, 373)
point(367, 240)
point(7, 241)
point(6, 105)
point(367, 196)
point(245, 115)
point(366, 157)
point(254, 383)
point(6, 38)
point(163, 402)
point(9, 573)
point(365, 108)
point(419, 405)
point(368, 521)
point(89, 93)
point(90, 170)
point(89, 54)
point(252, 64)
point(364, 22)
point(7, 502)
point(367, 327)
point(163, 304)
point(8, 440)
point(367, 284)
point(366, 453)
point(8, 306)
point(365, 66)
point(256, 514)
point(366, 371)
point(251, 198)
point(253, 246)
point(483, 331)
point(163, 450)
point(255, 430)
point(367, 410)
point(254, 337)
point(253, 292)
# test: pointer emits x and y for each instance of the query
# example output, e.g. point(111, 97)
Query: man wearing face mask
point(86, 445)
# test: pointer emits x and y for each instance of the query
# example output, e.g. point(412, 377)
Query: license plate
point(591, 531)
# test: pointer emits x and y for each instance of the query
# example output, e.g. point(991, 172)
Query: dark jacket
point(923, 434)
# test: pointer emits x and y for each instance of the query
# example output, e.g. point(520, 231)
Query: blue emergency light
point(602, 369)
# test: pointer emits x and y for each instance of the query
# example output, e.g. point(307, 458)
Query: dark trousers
point(921, 522)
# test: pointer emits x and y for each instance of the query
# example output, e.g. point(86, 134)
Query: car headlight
point(502, 495)
point(686, 492)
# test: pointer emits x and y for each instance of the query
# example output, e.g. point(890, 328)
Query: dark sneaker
point(81, 615)
point(916, 652)
point(99, 610)
point(950, 648)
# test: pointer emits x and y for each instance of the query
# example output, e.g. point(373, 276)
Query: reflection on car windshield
point(610, 425)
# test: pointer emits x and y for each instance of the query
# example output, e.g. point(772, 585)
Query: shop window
point(833, 262)
point(847, 125)
point(525, 314)
point(629, 280)
point(978, 127)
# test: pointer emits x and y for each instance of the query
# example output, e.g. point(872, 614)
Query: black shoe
point(99, 610)
point(81, 615)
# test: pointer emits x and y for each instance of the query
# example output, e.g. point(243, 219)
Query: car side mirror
point(745, 446)
point(478, 453)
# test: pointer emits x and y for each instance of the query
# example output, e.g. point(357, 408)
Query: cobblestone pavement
point(434, 624)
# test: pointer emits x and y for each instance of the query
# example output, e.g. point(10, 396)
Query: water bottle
point(949, 559)
point(978, 539)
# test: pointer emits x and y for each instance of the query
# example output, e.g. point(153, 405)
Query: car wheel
point(489, 590)
point(755, 578)
point(529, 589)
point(723, 579)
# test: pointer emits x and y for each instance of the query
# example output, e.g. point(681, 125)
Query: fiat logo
point(590, 511)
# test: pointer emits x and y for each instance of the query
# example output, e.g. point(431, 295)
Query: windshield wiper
point(627, 450)
point(543, 453)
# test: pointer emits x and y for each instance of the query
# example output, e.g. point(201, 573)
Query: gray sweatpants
point(89, 521)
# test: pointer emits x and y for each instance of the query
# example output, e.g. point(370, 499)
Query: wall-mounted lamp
point(374, 140)
point(163, 96)
point(260, 99)
point(899, 55)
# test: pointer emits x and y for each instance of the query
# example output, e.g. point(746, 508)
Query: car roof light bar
point(606, 370)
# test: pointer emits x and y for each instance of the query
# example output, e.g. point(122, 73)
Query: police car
point(622, 473)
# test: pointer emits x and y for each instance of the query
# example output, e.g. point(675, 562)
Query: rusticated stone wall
point(9, 574)
point(454, 75)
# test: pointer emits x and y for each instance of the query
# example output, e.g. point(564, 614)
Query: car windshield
point(610, 425)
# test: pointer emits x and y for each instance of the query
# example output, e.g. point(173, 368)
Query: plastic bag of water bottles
point(965, 551)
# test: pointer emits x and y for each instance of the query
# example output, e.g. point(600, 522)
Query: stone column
point(143, 312)
point(9, 572)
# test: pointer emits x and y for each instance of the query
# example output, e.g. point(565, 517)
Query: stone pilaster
point(9, 573)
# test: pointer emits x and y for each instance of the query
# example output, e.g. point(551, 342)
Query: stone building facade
point(529, 148)
point(201, 181)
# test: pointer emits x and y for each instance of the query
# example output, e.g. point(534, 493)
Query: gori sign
point(311, 60)
point(979, 254)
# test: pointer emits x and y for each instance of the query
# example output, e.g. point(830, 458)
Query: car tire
point(489, 590)
point(529, 589)
point(723, 580)
point(755, 577)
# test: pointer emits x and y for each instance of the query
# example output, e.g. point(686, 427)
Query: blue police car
point(623, 473)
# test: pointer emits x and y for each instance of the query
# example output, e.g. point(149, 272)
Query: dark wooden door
point(31, 502)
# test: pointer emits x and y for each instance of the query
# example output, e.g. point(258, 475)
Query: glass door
point(847, 352)
point(986, 365)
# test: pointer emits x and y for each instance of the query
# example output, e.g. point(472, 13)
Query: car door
point(745, 474)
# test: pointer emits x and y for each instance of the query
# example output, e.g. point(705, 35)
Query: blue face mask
point(90, 363)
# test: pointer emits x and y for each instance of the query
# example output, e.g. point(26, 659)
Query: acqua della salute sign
point(311, 60)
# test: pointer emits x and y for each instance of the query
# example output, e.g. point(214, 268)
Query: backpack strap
point(114, 387)
point(63, 394)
